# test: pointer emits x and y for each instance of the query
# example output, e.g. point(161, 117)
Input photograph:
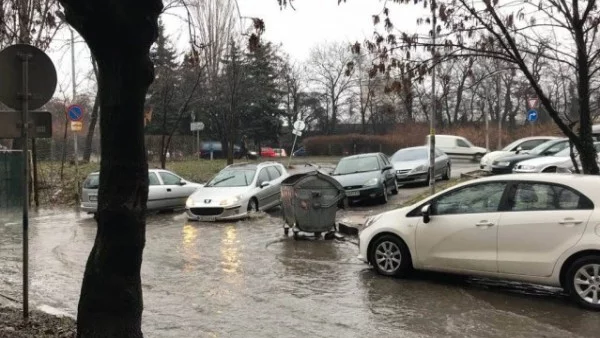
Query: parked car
point(538, 228)
point(411, 165)
point(280, 152)
point(550, 164)
point(216, 148)
point(236, 191)
point(516, 147)
point(267, 152)
point(457, 146)
point(366, 177)
point(166, 191)
point(505, 165)
point(300, 152)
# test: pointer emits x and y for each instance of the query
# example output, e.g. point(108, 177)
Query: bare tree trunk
point(163, 152)
point(119, 36)
point(87, 152)
point(64, 150)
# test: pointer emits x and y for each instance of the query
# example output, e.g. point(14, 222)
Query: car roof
point(247, 165)
point(361, 156)
point(150, 170)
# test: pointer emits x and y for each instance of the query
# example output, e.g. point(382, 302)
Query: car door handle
point(570, 221)
point(484, 224)
point(168, 189)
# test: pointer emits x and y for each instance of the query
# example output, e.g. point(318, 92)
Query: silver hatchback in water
point(166, 191)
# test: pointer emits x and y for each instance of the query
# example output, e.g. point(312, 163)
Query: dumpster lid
point(294, 179)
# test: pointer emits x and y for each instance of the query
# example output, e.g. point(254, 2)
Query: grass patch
point(40, 325)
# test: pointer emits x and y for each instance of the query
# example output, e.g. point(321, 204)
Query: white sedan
point(551, 164)
point(537, 228)
point(523, 144)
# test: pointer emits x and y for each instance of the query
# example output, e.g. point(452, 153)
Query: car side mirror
point(519, 149)
point(387, 167)
point(182, 182)
point(425, 212)
point(264, 184)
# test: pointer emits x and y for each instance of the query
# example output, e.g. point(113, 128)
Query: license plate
point(93, 198)
point(207, 218)
point(352, 193)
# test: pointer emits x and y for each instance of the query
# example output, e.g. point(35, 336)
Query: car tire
point(584, 270)
point(252, 205)
point(384, 198)
point(447, 173)
point(389, 256)
point(395, 190)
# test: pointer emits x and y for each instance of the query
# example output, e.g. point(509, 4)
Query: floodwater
point(246, 279)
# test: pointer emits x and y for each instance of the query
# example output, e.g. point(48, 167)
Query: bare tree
point(329, 71)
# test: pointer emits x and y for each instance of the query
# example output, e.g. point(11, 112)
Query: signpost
point(27, 82)
point(197, 127)
point(75, 115)
point(299, 126)
point(532, 113)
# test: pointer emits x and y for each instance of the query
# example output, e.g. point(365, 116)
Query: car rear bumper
point(89, 207)
point(215, 214)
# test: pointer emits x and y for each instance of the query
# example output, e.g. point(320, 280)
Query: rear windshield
point(92, 182)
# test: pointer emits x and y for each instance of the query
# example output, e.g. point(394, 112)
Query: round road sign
point(299, 125)
point(42, 76)
point(75, 113)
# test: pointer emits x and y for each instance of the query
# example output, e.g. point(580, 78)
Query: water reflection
point(230, 252)
point(190, 247)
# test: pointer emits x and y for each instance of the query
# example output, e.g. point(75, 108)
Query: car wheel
point(447, 173)
point(583, 282)
point(395, 190)
point(390, 256)
point(252, 205)
point(384, 197)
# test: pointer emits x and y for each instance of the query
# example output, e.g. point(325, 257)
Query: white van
point(457, 146)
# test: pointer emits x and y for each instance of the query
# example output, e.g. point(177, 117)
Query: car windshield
point(567, 151)
point(543, 147)
point(411, 154)
point(233, 178)
point(356, 165)
point(512, 146)
point(92, 182)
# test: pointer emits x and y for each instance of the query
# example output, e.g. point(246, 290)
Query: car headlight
point(527, 167)
point(502, 164)
point(190, 203)
point(229, 201)
point(371, 220)
point(373, 181)
point(420, 168)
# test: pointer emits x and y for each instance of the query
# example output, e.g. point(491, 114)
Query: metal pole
point(25, 137)
point(292, 153)
point(198, 143)
point(487, 130)
point(75, 133)
point(434, 105)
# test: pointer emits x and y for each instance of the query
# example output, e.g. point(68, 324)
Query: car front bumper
point(364, 193)
point(215, 214)
point(411, 178)
point(501, 170)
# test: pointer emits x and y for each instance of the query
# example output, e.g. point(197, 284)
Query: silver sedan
point(411, 165)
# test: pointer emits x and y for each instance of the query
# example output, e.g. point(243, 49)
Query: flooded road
point(246, 279)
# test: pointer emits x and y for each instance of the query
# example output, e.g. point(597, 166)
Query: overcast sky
point(313, 22)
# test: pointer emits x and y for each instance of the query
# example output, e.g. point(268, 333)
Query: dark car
point(216, 148)
point(366, 177)
point(300, 152)
point(505, 165)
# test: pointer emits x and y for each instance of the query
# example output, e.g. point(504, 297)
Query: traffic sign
point(197, 126)
point(297, 132)
point(532, 103)
point(75, 113)
point(76, 126)
point(41, 79)
point(299, 125)
point(40, 124)
point(532, 115)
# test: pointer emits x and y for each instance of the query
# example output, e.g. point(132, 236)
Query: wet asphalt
point(246, 279)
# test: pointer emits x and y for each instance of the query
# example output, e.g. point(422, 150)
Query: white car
point(537, 228)
point(457, 146)
point(515, 147)
point(562, 159)
point(237, 191)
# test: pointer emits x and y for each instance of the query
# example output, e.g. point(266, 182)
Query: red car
point(267, 152)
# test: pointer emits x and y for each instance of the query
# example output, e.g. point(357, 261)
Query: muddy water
point(246, 279)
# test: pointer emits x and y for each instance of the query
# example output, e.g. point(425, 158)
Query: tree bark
point(119, 34)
